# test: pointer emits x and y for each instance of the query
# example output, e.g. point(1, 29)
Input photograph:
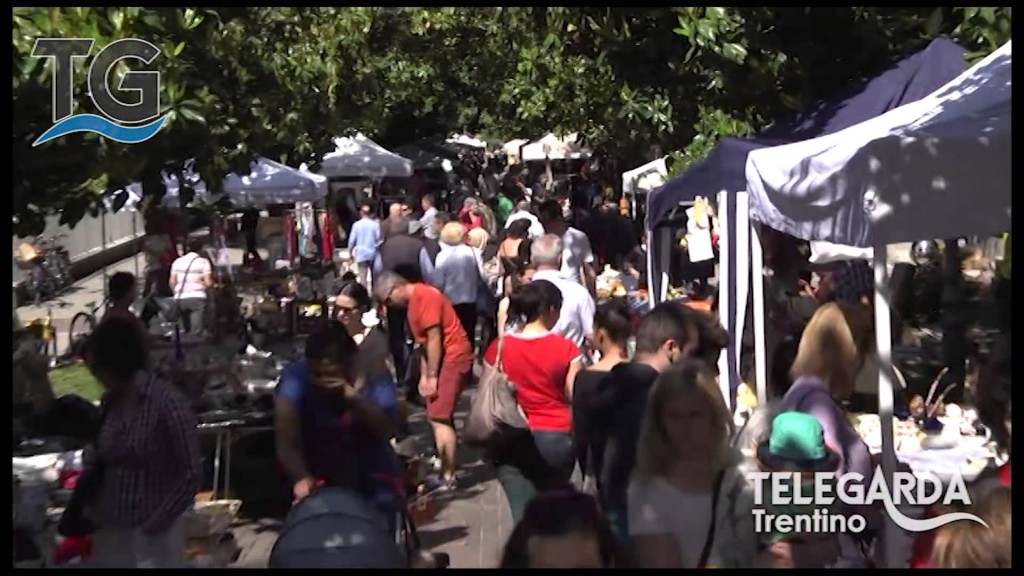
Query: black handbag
point(74, 523)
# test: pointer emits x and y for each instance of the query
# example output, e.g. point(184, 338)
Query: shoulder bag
point(495, 413)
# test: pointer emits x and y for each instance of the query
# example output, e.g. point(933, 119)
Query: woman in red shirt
point(543, 367)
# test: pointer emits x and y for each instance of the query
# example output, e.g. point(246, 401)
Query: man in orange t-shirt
point(446, 362)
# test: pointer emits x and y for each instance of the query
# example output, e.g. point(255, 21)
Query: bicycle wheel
point(82, 325)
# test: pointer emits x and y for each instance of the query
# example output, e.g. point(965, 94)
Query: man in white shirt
point(429, 215)
point(576, 320)
point(577, 256)
point(191, 277)
point(521, 212)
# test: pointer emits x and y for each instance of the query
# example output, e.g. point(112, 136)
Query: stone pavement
point(471, 525)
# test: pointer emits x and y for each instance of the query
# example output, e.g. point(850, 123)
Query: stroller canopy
point(336, 528)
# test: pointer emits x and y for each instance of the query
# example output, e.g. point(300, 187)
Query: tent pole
point(725, 360)
point(883, 341)
point(740, 273)
point(651, 300)
point(757, 280)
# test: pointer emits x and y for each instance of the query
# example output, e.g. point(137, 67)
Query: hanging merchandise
point(328, 235)
point(307, 230)
point(290, 237)
point(699, 227)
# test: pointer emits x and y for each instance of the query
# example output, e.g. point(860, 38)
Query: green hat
point(797, 444)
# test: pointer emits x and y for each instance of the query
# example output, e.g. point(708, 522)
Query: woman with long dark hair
point(354, 309)
point(543, 367)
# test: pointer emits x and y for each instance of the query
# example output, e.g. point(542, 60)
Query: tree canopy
point(281, 82)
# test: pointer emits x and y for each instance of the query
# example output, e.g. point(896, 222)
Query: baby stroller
point(338, 528)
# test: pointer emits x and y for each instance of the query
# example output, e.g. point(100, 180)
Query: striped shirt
point(149, 451)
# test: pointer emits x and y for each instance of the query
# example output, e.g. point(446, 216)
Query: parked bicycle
point(82, 325)
point(48, 264)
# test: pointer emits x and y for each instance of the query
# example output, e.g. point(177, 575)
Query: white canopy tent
point(171, 196)
point(466, 140)
point(360, 157)
point(268, 183)
point(513, 149)
point(936, 168)
point(274, 183)
point(643, 180)
point(554, 148)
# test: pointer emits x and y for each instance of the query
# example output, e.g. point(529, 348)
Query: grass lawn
point(75, 380)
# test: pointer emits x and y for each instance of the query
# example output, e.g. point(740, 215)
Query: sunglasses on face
point(345, 310)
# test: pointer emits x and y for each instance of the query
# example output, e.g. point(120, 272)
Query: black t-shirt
point(616, 411)
point(583, 392)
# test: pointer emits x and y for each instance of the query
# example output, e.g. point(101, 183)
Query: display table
point(226, 433)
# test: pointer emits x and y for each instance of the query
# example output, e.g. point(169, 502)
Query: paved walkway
point(471, 525)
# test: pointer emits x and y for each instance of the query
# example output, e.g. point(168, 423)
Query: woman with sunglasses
point(354, 309)
point(326, 432)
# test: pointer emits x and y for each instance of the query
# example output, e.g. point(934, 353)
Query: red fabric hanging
point(328, 235)
point(291, 242)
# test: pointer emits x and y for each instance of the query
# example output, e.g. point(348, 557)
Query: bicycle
point(82, 325)
point(49, 271)
point(57, 260)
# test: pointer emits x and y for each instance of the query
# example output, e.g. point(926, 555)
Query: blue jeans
point(558, 452)
point(532, 463)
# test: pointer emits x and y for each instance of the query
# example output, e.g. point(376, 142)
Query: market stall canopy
point(645, 178)
point(172, 197)
point(421, 158)
point(360, 157)
point(936, 168)
point(724, 169)
point(554, 148)
point(513, 149)
point(466, 140)
point(274, 183)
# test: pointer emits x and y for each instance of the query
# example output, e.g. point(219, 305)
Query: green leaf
point(192, 115)
point(153, 20)
point(178, 48)
point(734, 52)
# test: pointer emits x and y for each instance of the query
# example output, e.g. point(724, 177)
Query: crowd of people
point(630, 438)
point(630, 456)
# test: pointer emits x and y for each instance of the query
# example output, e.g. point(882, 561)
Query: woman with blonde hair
point(457, 275)
point(829, 357)
point(972, 545)
point(688, 503)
